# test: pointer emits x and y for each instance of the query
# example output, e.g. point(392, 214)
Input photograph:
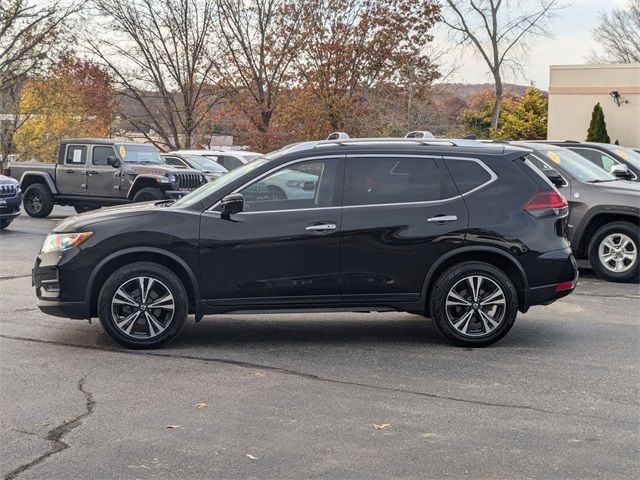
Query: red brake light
point(545, 200)
point(561, 287)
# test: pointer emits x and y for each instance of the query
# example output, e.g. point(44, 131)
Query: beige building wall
point(575, 89)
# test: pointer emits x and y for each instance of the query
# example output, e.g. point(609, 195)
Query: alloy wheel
point(142, 308)
point(617, 252)
point(35, 201)
point(475, 306)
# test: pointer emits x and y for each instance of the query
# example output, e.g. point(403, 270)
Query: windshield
point(205, 164)
point(576, 166)
point(629, 155)
point(218, 184)
point(140, 154)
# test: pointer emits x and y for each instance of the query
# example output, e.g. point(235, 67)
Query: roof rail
point(419, 134)
point(390, 140)
point(337, 136)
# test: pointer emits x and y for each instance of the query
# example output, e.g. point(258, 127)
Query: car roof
point(100, 141)
point(215, 152)
point(537, 146)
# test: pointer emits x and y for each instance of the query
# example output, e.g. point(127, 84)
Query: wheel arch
point(28, 178)
point(598, 217)
point(140, 182)
point(111, 263)
point(494, 256)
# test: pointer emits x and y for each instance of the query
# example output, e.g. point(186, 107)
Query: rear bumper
point(565, 279)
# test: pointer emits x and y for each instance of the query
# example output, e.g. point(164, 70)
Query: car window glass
point(597, 157)
point(382, 180)
point(175, 161)
point(302, 185)
point(538, 163)
point(76, 155)
point(100, 154)
point(467, 174)
point(231, 163)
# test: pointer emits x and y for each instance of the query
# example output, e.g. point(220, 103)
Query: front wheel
point(613, 252)
point(37, 201)
point(148, 194)
point(142, 305)
point(474, 304)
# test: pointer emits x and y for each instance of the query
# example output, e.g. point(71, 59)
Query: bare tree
point(160, 55)
point(500, 32)
point(261, 39)
point(619, 35)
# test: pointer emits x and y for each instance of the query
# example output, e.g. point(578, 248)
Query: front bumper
point(10, 207)
point(60, 289)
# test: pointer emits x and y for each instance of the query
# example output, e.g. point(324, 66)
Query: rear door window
point(76, 155)
point(468, 174)
point(396, 179)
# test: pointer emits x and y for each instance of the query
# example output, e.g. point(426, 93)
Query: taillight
point(564, 286)
point(546, 204)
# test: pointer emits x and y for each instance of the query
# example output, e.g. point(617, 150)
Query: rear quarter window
point(468, 174)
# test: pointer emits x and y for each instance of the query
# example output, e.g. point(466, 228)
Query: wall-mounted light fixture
point(617, 97)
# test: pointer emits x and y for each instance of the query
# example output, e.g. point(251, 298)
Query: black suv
point(465, 233)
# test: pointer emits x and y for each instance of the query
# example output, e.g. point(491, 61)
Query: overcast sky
point(571, 43)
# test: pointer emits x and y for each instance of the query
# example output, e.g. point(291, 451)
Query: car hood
point(4, 179)
point(80, 222)
point(619, 186)
point(157, 169)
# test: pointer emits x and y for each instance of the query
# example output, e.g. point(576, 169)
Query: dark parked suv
point(465, 233)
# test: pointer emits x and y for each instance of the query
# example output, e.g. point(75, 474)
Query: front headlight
point(172, 178)
point(295, 183)
point(63, 241)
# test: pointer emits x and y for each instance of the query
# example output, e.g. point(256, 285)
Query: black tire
point(37, 201)
point(612, 230)
point(141, 325)
point(478, 334)
point(4, 224)
point(148, 194)
point(83, 207)
point(276, 193)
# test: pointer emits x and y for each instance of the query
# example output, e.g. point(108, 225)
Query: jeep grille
point(8, 190)
point(190, 181)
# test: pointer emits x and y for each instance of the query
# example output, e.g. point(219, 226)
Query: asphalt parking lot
point(318, 396)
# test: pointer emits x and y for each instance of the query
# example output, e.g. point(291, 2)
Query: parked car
point(229, 159)
point(607, 156)
point(465, 233)
point(604, 211)
point(92, 173)
point(208, 166)
point(10, 197)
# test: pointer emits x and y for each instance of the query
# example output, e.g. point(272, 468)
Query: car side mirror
point(554, 177)
point(113, 161)
point(231, 204)
point(620, 171)
point(309, 186)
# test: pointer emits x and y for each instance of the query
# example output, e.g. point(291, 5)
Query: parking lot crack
point(319, 378)
point(13, 277)
point(56, 435)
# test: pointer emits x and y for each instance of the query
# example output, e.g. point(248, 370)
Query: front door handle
point(321, 227)
point(68, 171)
point(92, 172)
point(442, 219)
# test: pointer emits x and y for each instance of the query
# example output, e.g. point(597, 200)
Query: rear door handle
point(442, 219)
point(321, 227)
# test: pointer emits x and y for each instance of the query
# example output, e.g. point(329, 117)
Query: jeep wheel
point(474, 304)
point(148, 194)
point(38, 201)
point(142, 305)
point(613, 252)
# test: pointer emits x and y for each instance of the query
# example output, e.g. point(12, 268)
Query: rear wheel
point(142, 305)
point(38, 201)
point(148, 194)
point(613, 252)
point(474, 304)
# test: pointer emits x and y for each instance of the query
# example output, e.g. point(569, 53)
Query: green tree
point(476, 120)
point(598, 127)
point(524, 118)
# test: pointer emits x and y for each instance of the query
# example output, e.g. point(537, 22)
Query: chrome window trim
point(269, 172)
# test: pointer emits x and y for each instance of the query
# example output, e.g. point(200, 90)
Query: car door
point(277, 250)
point(401, 213)
point(71, 176)
point(103, 179)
